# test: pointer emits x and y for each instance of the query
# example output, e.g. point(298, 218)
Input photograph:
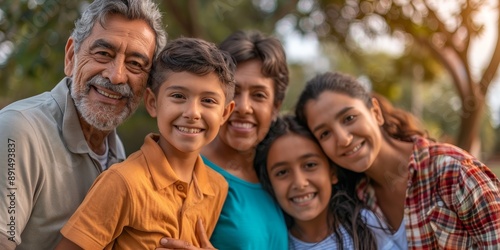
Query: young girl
point(437, 194)
point(320, 212)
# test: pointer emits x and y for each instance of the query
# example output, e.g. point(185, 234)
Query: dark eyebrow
point(101, 43)
point(340, 113)
point(182, 88)
point(302, 157)
point(278, 164)
point(256, 85)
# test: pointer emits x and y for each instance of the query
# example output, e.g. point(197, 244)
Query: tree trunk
point(471, 117)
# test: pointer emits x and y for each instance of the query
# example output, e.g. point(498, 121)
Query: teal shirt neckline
point(250, 218)
point(228, 175)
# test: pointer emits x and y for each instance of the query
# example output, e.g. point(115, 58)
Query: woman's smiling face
point(254, 108)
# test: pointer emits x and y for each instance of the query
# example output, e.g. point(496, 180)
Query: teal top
point(250, 218)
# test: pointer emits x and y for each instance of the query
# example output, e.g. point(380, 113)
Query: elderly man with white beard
point(55, 144)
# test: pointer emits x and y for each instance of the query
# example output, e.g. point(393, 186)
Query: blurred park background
point(438, 59)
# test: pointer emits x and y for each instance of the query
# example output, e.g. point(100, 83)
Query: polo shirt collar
point(162, 173)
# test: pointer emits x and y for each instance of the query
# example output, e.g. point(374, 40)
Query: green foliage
point(418, 84)
point(215, 20)
point(33, 38)
point(36, 35)
point(297, 76)
point(443, 31)
point(133, 131)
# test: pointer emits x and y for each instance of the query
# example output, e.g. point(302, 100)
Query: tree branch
point(448, 64)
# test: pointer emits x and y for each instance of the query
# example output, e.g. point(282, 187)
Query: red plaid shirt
point(452, 199)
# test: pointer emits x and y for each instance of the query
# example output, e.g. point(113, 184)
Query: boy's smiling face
point(189, 110)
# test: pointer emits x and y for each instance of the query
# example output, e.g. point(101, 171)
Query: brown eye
point(323, 135)
point(281, 173)
point(135, 67)
point(310, 165)
point(209, 100)
point(260, 95)
point(349, 118)
point(102, 56)
point(103, 53)
point(177, 96)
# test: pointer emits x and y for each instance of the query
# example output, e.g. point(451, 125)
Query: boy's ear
point(227, 111)
point(150, 102)
point(69, 57)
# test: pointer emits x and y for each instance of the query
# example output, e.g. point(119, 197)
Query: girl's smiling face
point(347, 130)
point(301, 177)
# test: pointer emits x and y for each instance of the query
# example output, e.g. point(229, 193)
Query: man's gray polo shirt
point(45, 166)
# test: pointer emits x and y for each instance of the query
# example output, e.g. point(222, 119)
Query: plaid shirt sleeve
point(475, 198)
point(453, 200)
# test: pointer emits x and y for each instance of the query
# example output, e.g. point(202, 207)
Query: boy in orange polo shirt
point(163, 189)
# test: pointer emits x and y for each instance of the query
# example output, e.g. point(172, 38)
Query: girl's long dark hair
point(344, 207)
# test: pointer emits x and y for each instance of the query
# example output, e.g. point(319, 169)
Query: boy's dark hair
point(195, 56)
point(253, 45)
point(344, 209)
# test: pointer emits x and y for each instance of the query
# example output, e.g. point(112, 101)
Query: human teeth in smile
point(354, 150)
point(108, 95)
point(304, 198)
point(189, 130)
point(242, 124)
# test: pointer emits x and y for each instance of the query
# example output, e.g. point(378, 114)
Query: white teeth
point(189, 130)
point(354, 150)
point(242, 125)
point(108, 95)
point(304, 198)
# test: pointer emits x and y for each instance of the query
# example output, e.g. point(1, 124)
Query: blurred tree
point(32, 40)
point(420, 85)
point(33, 34)
point(214, 20)
point(446, 29)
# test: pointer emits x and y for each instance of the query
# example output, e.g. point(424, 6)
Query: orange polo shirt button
point(180, 187)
